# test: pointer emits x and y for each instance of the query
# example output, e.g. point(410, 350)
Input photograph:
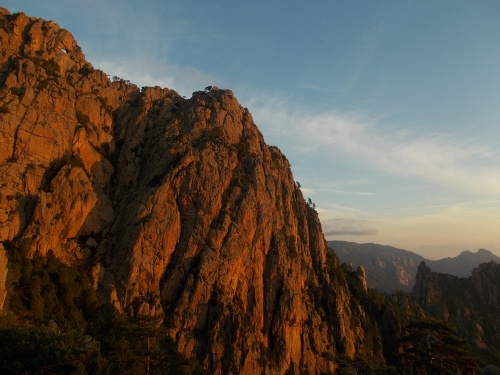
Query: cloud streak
point(451, 161)
point(336, 227)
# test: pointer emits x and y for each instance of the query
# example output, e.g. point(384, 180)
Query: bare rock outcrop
point(56, 114)
point(486, 281)
point(178, 206)
point(472, 303)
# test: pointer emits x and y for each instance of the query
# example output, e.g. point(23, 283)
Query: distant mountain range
point(389, 268)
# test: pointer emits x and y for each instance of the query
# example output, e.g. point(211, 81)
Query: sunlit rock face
point(177, 207)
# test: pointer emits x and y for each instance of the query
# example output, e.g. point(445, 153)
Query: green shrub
point(60, 324)
point(42, 84)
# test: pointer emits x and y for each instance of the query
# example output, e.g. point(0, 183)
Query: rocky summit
point(178, 206)
point(175, 209)
point(473, 302)
point(390, 269)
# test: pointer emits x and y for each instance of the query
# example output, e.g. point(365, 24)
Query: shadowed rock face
point(177, 206)
point(471, 303)
point(389, 269)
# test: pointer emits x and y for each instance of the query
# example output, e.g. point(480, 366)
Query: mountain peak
point(390, 269)
point(177, 207)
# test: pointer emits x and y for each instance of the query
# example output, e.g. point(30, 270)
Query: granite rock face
point(486, 281)
point(177, 206)
point(471, 303)
point(56, 116)
point(389, 269)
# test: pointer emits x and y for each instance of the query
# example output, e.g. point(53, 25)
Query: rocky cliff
point(472, 303)
point(177, 207)
point(389, 269)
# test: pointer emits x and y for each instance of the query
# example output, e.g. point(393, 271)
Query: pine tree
point(432, 347)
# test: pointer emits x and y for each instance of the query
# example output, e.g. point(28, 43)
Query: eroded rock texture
point(177, 207)
point(471, 303)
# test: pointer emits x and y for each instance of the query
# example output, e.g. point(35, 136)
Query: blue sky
point(387, 110)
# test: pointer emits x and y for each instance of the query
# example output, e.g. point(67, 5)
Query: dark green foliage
point(42, 84)
point(12, 159)
point(45, 26)
point(432, 346)
point(5, 25)
point(69, 80)
point(45, 290)
point(475, 320)
point(26, 350)
point(156, 180)
point(104, 104)
point(243, 150)
point(214, 134)
point(131, 346)
point(292, 247)
point(44, 350)
point(422, 346)
point(104, 149)
point(56, 323)
point(358, 365)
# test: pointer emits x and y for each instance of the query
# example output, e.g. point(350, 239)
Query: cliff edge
point(177, 207)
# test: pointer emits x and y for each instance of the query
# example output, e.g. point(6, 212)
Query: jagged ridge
point(177, 206)
point(389, 269)
point(473, 303)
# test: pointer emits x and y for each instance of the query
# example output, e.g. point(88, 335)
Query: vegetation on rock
point(55, 322)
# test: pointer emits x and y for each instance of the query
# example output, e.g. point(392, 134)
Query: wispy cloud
point(318, 190)
point(335, 227)
point(464, 164)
